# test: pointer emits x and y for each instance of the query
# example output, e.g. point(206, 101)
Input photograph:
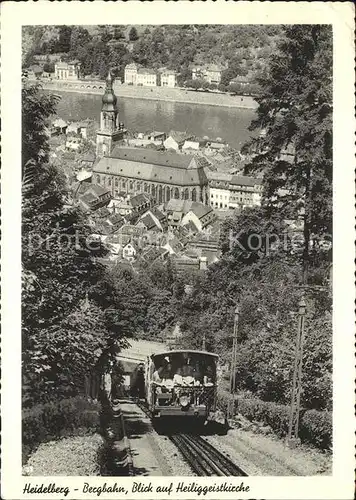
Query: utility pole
point(231, 406)
point(297, 378)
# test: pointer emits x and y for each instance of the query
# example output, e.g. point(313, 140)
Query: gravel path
point(152, 453)
point(70, 456)
point(268, 456)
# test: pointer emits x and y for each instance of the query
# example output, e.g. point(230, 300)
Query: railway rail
point(202, 457)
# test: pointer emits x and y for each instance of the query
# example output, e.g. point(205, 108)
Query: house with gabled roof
point(200, 215)
point(129, 252)
point(141, 202)
point(176, 139)
point(94, 196)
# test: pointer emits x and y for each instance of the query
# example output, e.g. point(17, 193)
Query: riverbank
point(155, 94)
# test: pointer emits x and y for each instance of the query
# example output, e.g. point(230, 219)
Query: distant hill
point(240, 49)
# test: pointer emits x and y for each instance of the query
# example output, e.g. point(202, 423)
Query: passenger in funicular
point(182, 371)
point(162, 376)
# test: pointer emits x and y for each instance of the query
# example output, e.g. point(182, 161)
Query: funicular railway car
point(181, 383)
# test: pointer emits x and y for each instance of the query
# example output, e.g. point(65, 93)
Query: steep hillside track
point(204, 458)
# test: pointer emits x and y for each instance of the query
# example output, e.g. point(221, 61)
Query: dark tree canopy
point(133, 35)
point(295, 110)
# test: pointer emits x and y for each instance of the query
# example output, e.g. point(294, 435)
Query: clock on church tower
point(111, 130)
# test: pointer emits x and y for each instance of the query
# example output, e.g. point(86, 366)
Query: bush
point(315, 426)
point(54, 420)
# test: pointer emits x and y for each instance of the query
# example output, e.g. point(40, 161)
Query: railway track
point(203, 458)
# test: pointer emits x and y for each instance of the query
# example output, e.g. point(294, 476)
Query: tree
point(133, 36)
point(295, 109)
point(61, 338)
point(79, 39)
point(63, 44)
point(36, 109)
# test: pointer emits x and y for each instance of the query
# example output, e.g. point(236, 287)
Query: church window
point(98, 179)
point(176, 193)
point(131, 185)
point(168, 193)
point(186, 194)
point(109, 181)
point(194, 194)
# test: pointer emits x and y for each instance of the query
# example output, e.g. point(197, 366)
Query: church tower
point(111, 130)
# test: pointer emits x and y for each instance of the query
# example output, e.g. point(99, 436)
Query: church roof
point(154, 166)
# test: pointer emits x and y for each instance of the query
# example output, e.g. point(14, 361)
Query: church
point(163, 175)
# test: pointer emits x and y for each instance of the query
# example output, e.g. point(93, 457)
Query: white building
point(219, 192)
point(129, 252)
point(67, 71)
point(168, 78)
point(211, 73)
point(228, 191)
point(130, 76)
point(245, 191)
point(146, 77)
point(136, 75)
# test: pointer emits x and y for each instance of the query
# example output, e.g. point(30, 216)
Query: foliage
point(63, 332)
point(265, 279)
point(241, 48)
point(36, 109)
point(315, 426)
point(295, 109)
point(133, 36)
point(45, 422)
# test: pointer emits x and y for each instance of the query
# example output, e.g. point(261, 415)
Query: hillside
point(241, 49)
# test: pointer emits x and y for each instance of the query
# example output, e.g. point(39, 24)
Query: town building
point(129, 252)
point(245, 192)
point(155, 136)
point(228, 191)
point(219, 190)
point(141, 202)
point(168, 78)
point(176, 140)
point(146, 77)
point(111, 129)
point(162, 175)
point(210, 73)
point(187, 212)
point(67, 70)
point(130, 74)
point(94, 197)
point(137, 75)
point(59, 126)
point(200, 215)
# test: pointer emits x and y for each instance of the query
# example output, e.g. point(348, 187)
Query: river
point(142, 115)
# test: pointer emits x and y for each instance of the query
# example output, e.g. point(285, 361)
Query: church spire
point(109, 98)
point(111, 130)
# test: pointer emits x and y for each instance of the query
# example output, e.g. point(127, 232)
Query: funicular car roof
point(181, 351)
